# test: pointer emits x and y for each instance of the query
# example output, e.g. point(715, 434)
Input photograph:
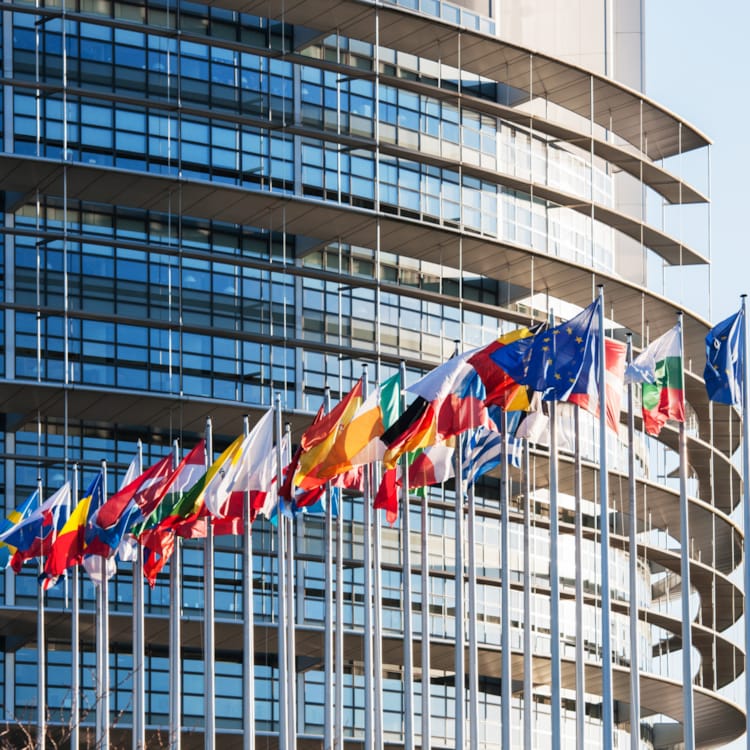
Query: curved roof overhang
point(628, 158)
point(713, 585)
point(618, 108)
point(717, 719)
point(634, 307)
point(663, 504)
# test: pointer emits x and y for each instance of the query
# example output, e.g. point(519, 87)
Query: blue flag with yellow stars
point(725, 354)
point(559, 361)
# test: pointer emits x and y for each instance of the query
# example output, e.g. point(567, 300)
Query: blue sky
point(697, 65)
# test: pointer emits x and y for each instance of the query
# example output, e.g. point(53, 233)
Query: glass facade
point(392, 201)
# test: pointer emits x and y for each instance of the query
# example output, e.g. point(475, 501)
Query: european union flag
point(559, 361)
point(725, 355)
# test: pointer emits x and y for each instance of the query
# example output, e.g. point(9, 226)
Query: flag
point(456, 395)
point(449, 400)
point(287, 487)
point(483, 451)
point(14, 517)
point(432, 465)
point(111, 512)
point(659, 368)
point(614, 364)
point(534, 424)
point(256, 472)
point(387, 496)
point(146, 498)
point(246, 470)
point(68, 547)
point(321, 429)
point(357, 442)
point(33, 535)
point(96, 566)
point(416, 428)
point(500, 387)
point(725, 355)
point(319, 438)
point(557, 362)
point(182, 512)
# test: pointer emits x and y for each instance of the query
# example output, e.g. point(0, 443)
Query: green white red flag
point(659, 369)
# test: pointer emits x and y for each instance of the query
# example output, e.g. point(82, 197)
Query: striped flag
point(659, 369)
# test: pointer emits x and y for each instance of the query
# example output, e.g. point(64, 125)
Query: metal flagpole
point(687, 639)
point(578, 493)
point(291, 653)
point(248, 625)
point(635, 671)
point(506, 678)
point(367, 513)
point(41, 644)
point(377, 621)
point(460, 669)
point(139, 658)
point(102, 662)
point(607, 705)
point(328, 636)
point(746, 481)
point(209, 640)
point(406, 577)
point(424, 561)
point(338, 702)
point(528, 698)
point(554, 575)
point(75, 643)
point(284, 739)
point(472, 620)
point(175, 636)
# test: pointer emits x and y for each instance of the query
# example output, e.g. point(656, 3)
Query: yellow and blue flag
point(14, 517)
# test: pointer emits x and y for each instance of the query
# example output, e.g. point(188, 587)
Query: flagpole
point(291, 578)
point(284, 739)
point(209, 640)
point(139, 666)
point(377, 616)
point(607, 704)
point(338, 733)
point(635, 670)
point(175, 636)
point(687, 640)
point(460, 669)
point(578, 493)
point(406, 577)
point(248, 625)
point(328, 635)
point(424, 561)
point(472, 586)
point(41, 642)
point(75, 644)
point(102, 662)
point(505, 648)
point(745, 364)
point(528, 698)
point(554, 534)
point(367, 513)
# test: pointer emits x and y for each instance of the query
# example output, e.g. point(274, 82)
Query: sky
point(697, 65)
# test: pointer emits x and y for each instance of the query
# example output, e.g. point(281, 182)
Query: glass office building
point(207, 204)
